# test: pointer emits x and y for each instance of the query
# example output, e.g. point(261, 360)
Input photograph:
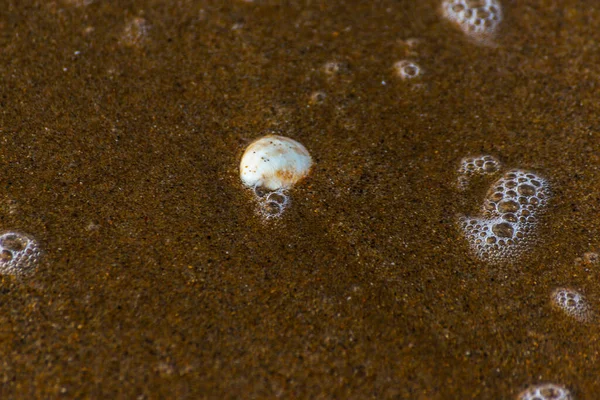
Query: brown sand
point(159, 280)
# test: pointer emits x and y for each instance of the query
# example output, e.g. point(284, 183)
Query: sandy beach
point(122, 125)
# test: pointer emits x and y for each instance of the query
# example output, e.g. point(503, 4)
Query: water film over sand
point(440, 241)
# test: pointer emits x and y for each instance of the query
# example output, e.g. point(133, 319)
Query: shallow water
point(122, 128)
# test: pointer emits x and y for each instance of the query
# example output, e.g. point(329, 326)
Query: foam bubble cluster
point(477, 18)
point(546, 391)
point(18, 253)
point(407, 69)
point(510, 211)
point(472, 166)
point(588, 259)
point(271, 204)
point(572, 303)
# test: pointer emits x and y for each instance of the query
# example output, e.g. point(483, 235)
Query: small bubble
point(490, 167)
point(317, 97)
point(504, 230)
point(135, 32)
point(406, 69)
point(6, 255)
point(482, 13)
point(509, 217)
point(271, 203)
point(508, 206)
point(497, 197)
point(277, 197)
point(334, 68)
point(546, 391)
point(78, 3)
point(526, 190)
point(271, 209)
point(474, 166)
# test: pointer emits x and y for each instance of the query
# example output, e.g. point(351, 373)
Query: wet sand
point(122, 127)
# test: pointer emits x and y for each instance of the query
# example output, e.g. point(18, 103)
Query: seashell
point(274, 162)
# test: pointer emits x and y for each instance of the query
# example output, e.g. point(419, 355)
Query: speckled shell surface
point(274, 162)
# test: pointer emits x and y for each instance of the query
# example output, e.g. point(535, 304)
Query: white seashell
point(274, 162)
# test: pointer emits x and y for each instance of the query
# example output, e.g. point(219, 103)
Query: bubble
point(508, 206)
point(507, 228)
point(497, 196)
point(503, 230)
point(272, 204)
point(78, 3)
point(588, 259)
point(478, 165)
point(546, 391)
point(19, 253)
point(406, 69)
point(526, 190)
point(317, 97)
point(572, 303)
point(479, 19)
point(332, 68)
point(135, 32)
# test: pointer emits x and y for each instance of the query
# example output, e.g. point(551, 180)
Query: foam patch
point(572, 303)
point(474, 166)
point(510, 214)
point(479, 19)
point(18, 253)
